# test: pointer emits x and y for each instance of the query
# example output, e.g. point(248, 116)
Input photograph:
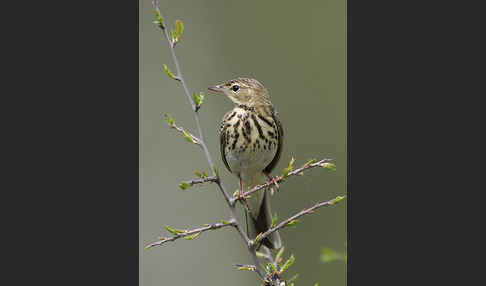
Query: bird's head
point(244, 91)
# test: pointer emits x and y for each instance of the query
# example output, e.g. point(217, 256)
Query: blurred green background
point(297, 49)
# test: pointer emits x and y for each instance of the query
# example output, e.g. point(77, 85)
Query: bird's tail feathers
point(260, 217)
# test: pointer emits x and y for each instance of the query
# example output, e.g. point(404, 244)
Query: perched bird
point(251, 138)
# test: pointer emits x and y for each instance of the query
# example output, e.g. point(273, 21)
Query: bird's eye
point(235, 88)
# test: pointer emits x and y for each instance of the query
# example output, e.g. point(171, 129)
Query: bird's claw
point(272, 180)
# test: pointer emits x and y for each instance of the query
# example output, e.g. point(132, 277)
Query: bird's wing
point(223, 139)
point(280, 133)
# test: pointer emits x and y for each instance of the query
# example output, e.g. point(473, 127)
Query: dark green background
point(297, 49)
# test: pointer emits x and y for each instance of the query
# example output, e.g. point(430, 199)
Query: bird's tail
point(260, 216)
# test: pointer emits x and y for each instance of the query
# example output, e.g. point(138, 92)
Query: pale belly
point(248, 161)
point(249, 165)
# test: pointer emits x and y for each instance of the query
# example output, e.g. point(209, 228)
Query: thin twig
point(202, 180)
point(191, 232)
point(194, 139)
point(279, 179)
point(294, 217)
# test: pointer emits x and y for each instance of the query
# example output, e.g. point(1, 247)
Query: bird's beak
point(216, 88)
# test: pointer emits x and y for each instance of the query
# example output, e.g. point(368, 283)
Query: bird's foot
point(272, 180)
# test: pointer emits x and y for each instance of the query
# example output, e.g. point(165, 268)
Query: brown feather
point(222, 138)
point(280, 131)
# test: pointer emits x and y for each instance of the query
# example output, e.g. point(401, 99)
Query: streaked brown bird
point(251, 138)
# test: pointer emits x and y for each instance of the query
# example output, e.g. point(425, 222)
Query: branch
point(292, 220)
point(201, 141)
point(201, 181)
point(196, 232)
point(188, 136)
point(189, 97)
point(279, 179)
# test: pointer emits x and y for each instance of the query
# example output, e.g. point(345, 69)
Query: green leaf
point(173, 35)
point(195, 98)
point(279, 254)
point(311, 161)
point(179, 28)
point(274, 221)
point(291, 280)
point(328, 255)
point(215, 170)
point(184, 185)
point(287, 170)
point(174, 231)
point(187, 136)
point(293, 222)
point(204, 175)
point(245, 267)
point(169, 120)
point(198, 174)
point(337, 200)
point(257, 238)
point(329, 166)
point(287, 264)
point(225, 222)
point(158, 18)
point(201, 98)
point(272, 267)
point(198, 100)
point(190, 237)
point(169, 73)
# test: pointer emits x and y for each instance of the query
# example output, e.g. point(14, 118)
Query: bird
point(251, 141)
